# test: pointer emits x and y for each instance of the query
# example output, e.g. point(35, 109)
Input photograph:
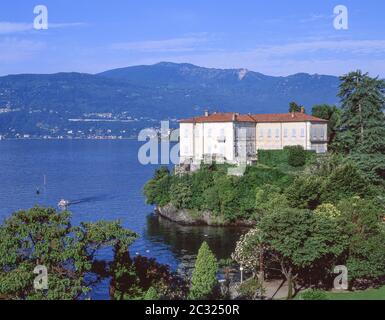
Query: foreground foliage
point(142, 278)
point(42, 236)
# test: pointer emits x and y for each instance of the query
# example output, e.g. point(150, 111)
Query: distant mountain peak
point(140, 95)
point(242, 73)
point(174, 64)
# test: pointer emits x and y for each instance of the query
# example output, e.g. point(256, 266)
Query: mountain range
point(122, 101)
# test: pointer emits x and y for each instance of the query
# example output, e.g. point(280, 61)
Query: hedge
point(275, 158)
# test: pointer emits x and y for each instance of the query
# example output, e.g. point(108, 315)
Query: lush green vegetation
point(336, 205)
point(312, 212)
point(45, 237)
point(211, 188)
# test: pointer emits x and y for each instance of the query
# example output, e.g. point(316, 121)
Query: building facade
point(235, 138)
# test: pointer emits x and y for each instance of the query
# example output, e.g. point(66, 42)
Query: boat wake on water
point(66, 203)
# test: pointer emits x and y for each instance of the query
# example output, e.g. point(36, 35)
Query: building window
point(186, 133)
point(322, 133)
point(277, 133)
point(186, 150)
point(269, 133)
point(314, 133)
point(294, 133)
point(285, 133)
point(210, 132)
point(302, 133)
point(209, 150)
point(261, 133)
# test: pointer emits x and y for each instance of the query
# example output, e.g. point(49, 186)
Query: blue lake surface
point(106, 180)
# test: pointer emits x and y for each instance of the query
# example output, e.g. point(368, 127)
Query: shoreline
point(185, 217)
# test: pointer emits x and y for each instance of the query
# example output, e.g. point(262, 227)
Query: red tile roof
point(221, 117)
point(231, 116)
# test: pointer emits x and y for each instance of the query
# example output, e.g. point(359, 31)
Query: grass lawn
point(370, 294)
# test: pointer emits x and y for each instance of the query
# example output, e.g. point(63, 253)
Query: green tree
point(330, 113)
point(42, 236)
point(361, 221)
point(297, 240)
point(227, 192)
point(181, 194)
point(157, 189)
point(249, 250)
point(125, 283)
point(142, 278)
point(305, 192)
point(269, 198)
point(294, 107)
point(344, 182)
point(204, 277)
point(362, 125)
point(211, 200)
point(201, 181)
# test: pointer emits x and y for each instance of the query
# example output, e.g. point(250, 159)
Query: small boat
point(63, 203)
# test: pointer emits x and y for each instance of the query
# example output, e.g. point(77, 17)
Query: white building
point(230, 137)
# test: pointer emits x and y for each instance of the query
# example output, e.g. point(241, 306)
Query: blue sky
point(275, 37)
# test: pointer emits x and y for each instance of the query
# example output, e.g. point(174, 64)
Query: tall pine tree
point(362, 127)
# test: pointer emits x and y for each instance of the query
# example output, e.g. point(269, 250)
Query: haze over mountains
point(122, 101)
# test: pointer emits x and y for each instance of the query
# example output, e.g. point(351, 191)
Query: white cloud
point(12, 27)
point(168, 45)
point(15, 27)
point(316, 17)
point(66, 25)
point(333, 46)
point(333, 57)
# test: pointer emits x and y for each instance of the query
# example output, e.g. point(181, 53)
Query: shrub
point(151, 294)
point(296, 156)
point(204, 277)
point(328, 210)
point(272, 158)
point(251, 288)
point(313, 295)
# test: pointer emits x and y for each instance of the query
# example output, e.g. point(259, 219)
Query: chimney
point(206, 113)
point(302, 109)
point(292, 114)
point(235, 115)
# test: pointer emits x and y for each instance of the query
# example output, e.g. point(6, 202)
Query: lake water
point(106, 180)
